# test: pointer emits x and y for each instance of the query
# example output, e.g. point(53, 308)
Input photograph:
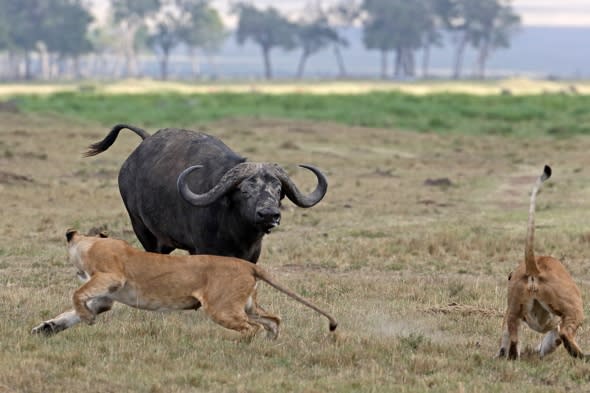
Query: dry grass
point(414, 270)
point(142, 86)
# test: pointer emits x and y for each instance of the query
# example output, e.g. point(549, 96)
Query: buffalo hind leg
point(70, 318)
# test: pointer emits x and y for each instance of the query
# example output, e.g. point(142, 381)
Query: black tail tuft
point(333, 326)
point(108, 140)
point(547, 172)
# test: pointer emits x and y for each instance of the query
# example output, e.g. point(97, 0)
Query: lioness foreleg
point(70, 318)
point(100, 285)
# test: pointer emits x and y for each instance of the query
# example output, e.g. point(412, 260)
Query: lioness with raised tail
point(541, 293)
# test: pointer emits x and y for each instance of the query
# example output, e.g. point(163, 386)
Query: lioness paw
point(47, 328)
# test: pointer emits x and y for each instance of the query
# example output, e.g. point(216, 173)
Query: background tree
point(432, 36)
point(71, 17)
point(340, 16)
point(132, 15)
point(26, 23)
point(377, 29)
point(166, 35)
point(312, 37)
point(203, 29)
point(268, 29)
point(460, 18)
point(495, 23)
point(397, 25)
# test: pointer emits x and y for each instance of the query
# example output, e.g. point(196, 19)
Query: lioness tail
point(264, 276)
point(529, 254)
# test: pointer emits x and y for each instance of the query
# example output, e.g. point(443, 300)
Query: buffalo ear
point(103, 234)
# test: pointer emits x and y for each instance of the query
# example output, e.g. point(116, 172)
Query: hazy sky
point(533, 12)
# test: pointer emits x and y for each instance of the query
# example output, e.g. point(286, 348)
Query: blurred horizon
point(539, 13)
point(294, 39)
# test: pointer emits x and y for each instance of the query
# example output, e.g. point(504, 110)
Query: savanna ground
point(410, 249)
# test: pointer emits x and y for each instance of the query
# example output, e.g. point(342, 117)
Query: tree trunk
point(76, 64)
point(409, 63)
point(340, 61)
point(383, 64)
point(425, 61)
point(164, 64)
point(482, 59)
point(398, 63)
point(459, 53)
point(129, 29)
point(195, 65)
point(28, 71)
point(301, 66)
point(267, 65)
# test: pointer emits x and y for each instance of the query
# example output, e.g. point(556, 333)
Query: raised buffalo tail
point(103, 145)
point(264, 276)
point(529, 255)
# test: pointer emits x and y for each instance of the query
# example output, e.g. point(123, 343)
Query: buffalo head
point(256, 189)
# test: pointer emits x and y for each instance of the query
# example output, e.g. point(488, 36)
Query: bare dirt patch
point(14, 178)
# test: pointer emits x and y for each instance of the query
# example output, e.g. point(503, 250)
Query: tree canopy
point(267, 28)
point(64, 31)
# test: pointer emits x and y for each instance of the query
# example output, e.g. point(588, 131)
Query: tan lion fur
point(542, 294)
point(114, 271)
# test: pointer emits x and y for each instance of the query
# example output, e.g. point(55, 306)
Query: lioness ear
point(103, 234)
point(70, 234)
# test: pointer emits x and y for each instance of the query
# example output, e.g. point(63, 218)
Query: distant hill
point(560, 52)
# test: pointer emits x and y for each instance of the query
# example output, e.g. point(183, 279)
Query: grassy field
point(552, 114)
point(410, 250)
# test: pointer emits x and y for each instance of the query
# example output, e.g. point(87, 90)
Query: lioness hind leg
point(229, 315)
point(567, 333)
point(260, 316)
point(70, 318)
point(270, 323)
point(237, 321)
point(509, 342)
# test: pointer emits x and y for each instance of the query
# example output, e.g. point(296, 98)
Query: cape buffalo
point(188, 190)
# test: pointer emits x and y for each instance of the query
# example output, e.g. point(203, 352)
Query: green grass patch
point(550, 114)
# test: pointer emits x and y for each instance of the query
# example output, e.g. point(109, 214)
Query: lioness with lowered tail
point(542, 293)
point(114, 271)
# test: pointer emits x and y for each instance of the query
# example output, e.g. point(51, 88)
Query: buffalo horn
point(293, 192)
point(230, 179)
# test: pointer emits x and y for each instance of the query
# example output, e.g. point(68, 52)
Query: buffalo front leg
point(70, 318)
